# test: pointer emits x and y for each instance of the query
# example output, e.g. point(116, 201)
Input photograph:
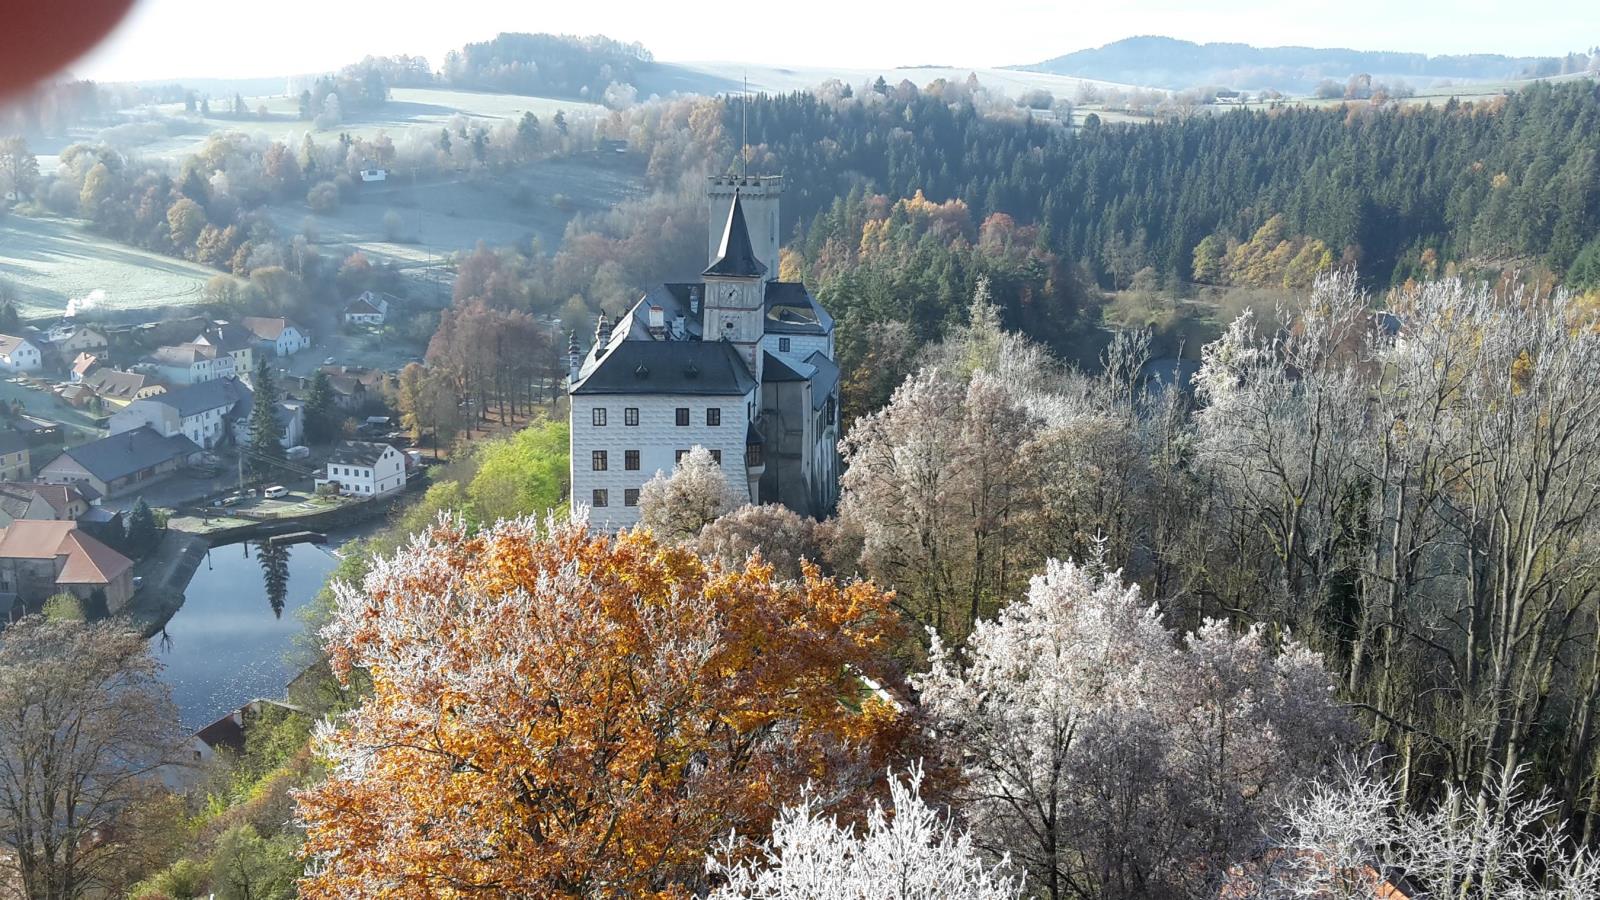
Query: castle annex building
point(738, 362)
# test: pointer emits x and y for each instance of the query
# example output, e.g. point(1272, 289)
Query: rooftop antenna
point(744, 125)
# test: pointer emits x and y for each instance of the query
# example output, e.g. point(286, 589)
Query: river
point(230, 641)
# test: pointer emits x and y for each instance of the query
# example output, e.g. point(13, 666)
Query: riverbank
point(165, 574)
point(164, 577)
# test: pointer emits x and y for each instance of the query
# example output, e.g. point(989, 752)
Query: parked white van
point(274, 492)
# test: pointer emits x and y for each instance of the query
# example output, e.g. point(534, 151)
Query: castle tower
point(735, 307)
point(759, 194)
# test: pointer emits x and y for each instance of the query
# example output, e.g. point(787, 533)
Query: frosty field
point(50, 261)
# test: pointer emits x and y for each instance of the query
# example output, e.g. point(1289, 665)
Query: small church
point(738, 362)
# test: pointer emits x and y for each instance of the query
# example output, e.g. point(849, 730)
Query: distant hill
point(1171, 63)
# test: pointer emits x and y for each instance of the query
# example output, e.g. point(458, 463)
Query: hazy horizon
point(177, 39)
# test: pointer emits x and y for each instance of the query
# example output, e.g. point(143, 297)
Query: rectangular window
point(683, 415)
point(630, 497)
point(630, 460)
point(630, 416)
point(677, 456)
point(713, 415)
point(599, 498)
point(598, 460)
point(783, 345)
point(598, 414)
point(716, 457)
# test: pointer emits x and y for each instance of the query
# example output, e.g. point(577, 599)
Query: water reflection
point(230, 642)
point(274, 561)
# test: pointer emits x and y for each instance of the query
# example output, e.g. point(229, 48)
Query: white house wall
point(800, 346)
point(657, 437)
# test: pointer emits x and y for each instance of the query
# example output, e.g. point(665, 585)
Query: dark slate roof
point(358, 453)
point(193, 399)
point(736, 258)
point(825, 379)
point(822, 372)
point(668, 367)
point(792, 310)
point(227, 336)
point(776, 368)
point(123, 454)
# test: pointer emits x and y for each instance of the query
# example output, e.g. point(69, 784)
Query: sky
point(168, 39)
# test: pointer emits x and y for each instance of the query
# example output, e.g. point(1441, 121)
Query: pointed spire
point(736, 258)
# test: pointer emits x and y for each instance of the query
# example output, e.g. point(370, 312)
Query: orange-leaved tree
point(557, 712)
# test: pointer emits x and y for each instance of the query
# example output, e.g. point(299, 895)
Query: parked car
point(300, 452)
point(275, 491)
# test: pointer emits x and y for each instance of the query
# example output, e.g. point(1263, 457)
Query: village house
point(365, 469)
point(353, 387)
point(209, 414)
point(39, 559)
point(201, 412)
point(31, 500)
point(228, 733)
point(191, 363)
point(84, 364)
point(122, 463)
point(69, 340)
point(367, 308)
point(291, 421)
point(740, 363)
point(283, 336)
point(117, 388)
point(236, 340)
point(19, 354)
point(15, 460)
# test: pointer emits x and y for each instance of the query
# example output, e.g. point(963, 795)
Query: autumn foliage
point(561, 713)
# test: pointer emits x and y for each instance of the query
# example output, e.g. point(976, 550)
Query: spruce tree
point(266, 435)
point(321, 417)
point(141, 529)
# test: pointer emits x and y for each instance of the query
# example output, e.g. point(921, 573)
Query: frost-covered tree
point(675, 507)
point(989, 460)
point(1107, 758)
point(783, 537)
point(1347, 834)
point(909, 852)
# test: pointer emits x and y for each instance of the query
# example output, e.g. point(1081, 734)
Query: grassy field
point(50, 261)
point(163, 131)
point(437, 217)
point(407, 107)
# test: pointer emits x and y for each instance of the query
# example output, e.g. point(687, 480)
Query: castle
point(739, 362)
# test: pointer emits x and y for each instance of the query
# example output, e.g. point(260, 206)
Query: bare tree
point(85, 730)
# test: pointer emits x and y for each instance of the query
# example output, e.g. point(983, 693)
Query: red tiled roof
point(88, 560)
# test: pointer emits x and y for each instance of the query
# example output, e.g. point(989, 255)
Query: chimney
point(574, 357)
point(602, 330)
point(658, 322)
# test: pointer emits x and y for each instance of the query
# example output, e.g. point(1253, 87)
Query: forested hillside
point(1398, 191)
point(544, 64)
point(1172, 63)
